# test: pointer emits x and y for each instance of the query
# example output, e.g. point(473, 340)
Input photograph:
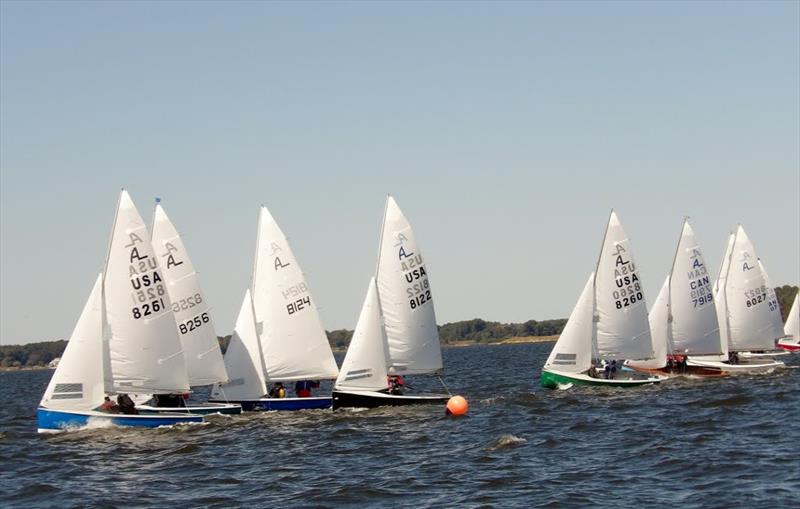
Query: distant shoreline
point(516, 340)
point(24, 368)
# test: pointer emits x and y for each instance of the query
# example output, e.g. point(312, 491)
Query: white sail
point(772, 301)
point(693, 324)
point(751, 322)
point(243, 360)
point(660, 331)
point(195, 329)
point(146, 355)
point(405, 296)
point(293, 341)
point(78, 382)
point(572, 353)
point(792, 327)
point(721, 301)
point(623, 331)
point(364, 366)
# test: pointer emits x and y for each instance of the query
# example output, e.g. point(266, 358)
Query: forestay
point(623, 331)
point(752, 324)
point(406, 300)
point(243, 359)
point(693, 317)
point(293, 341)
point(78, 383)
point(146, 354)
point(364, 366)
point(195, 329)
point(572, 352)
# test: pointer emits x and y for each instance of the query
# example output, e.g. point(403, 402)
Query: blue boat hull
point(196, 409)
point(265, 404)
point(49, 421)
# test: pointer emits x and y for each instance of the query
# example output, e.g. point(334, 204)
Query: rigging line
point(444, 385)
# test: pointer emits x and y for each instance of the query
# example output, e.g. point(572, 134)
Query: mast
point(725, 285)
point(671, 346)
point(252, 293)
point(595, 350)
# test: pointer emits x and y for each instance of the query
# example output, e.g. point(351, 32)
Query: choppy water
point(713, 443)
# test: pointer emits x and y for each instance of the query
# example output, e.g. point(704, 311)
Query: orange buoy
point(457, 405)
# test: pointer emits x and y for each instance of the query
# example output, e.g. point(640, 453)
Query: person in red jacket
point(303, 388)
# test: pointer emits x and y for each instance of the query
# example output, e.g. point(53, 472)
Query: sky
point(505, 131)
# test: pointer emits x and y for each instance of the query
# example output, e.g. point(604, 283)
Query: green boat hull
point(550, 380)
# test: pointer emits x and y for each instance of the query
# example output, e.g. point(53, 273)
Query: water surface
point(710, 443)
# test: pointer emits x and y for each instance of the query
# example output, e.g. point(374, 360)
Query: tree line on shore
point(477, 330)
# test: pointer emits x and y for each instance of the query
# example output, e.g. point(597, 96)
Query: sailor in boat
point(303, 388)
point(277, 391)
point(109, 406)
point(170, 400)
point(396, 385)
point(126, 405)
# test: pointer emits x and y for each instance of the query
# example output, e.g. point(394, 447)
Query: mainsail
point(192, 314)
point(751, 322)
point(694, 327)
point(146, 355)
point(293, 341)
point(623, 331)
point(405, 298)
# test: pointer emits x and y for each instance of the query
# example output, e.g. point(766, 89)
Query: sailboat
point(396, 333)
point(775, 312)
point(124, 342)
point(201, 350)
point(683, 319)
point(609, 322)
point(791, 341)
point(747, 320)
point(278, 336)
